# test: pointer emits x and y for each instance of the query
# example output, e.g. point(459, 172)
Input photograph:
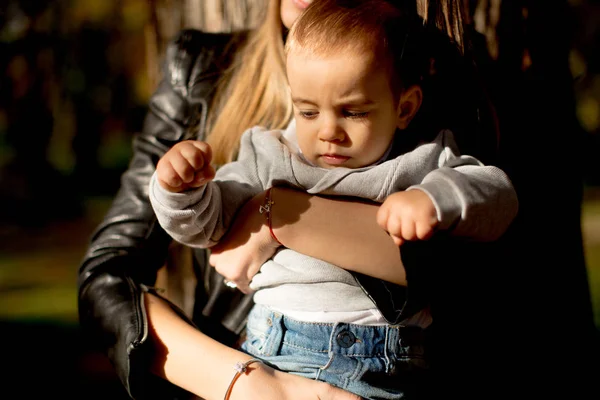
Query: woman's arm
point(190, 359)
point(341, 231)
point(129, 247)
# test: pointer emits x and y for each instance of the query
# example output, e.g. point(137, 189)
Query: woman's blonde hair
point(253, 91)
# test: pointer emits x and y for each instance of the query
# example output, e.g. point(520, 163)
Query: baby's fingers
point(197, 154)
point(183, 168)
point(398, 241)
point(167, 176)
point(206, 151)
point(398, 228)
point(203, 177)
point(408, 230)
point(190, 157)
point(383, 214)
point(425, 230)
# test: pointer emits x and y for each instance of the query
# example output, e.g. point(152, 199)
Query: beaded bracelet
point(266, 209)
point(240, 368)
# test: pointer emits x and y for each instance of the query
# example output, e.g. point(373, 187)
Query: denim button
point(345, 339)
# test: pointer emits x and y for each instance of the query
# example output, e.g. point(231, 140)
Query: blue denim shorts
point(374, 362)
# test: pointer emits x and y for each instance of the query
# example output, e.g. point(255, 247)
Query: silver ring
point(229, 284)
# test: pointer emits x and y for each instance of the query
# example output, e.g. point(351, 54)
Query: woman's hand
point(177, 345)
point(246, 246)
point(265, 383)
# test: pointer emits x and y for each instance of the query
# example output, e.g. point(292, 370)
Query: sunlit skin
point(172, 333)
point(346, 115)
point(291, 9)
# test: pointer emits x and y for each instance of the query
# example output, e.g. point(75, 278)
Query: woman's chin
point(291, 9)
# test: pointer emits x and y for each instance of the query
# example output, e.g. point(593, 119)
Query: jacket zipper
point(142, 317)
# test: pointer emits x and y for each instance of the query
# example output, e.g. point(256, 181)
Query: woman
point(143, 334)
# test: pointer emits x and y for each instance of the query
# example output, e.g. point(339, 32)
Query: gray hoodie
point(472, 200)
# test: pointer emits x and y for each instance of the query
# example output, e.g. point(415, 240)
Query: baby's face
point(345, 111)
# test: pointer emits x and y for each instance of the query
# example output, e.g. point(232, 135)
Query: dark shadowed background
point(74, 84)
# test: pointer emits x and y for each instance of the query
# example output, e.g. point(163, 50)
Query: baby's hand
point(408, 215)
point(186, 165)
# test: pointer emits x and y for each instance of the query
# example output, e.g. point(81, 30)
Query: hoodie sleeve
point(472, 200)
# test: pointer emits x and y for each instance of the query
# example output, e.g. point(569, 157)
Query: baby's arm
point(461, 196)
point(477, 202)
point(189, 206)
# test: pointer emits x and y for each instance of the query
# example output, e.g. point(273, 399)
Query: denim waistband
point(340, 338)
point(373, 361)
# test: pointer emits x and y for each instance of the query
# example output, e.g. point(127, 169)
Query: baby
point(355, 93)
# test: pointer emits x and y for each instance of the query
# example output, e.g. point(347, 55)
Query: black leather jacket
point(129, 246)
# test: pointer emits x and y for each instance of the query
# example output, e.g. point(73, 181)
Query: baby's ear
point(408, 105)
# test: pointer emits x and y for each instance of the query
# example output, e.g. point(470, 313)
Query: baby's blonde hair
point(333, 27)
point(357, 27)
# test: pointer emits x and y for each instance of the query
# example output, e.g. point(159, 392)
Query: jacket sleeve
point(128, 247)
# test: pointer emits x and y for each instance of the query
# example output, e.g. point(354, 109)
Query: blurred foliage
point(74, 89)
point(86, 62)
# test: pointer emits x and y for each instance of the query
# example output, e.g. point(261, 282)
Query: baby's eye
point(356, 115)
point(308, 114)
